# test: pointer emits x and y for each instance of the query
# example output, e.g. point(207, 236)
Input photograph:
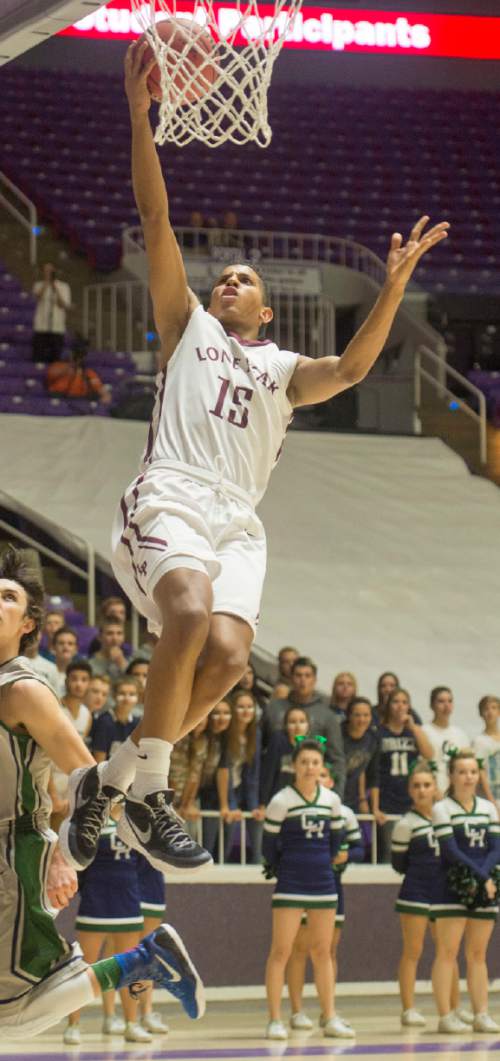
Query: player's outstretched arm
point(172, 304)
point(317, 380)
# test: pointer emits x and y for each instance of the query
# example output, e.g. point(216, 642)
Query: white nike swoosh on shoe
point(143, 837)
point(174, 975)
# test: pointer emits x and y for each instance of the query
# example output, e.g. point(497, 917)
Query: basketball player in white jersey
point(188, 547)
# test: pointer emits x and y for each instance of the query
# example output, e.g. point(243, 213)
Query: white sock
point(153, 766)
point(119, 771)
point(47, 1004)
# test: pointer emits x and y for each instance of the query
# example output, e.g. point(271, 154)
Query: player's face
point(77, 684)
point(220, 717)
point(297, 725)
point(13, 620)
point(97, 694)
point(443, 706)
point(65, 648)
point(422, 790)
point(464, 778)
point(360, 720)
point(303, 680)
point(400, 708)
point(308, 766)
point(237, 302)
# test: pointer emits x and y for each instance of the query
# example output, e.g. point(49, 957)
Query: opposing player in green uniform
point(42, 977)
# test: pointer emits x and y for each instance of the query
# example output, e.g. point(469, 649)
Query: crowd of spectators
point(235, 761)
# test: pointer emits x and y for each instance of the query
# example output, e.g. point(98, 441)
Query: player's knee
point(413, 952)
point(228, 657)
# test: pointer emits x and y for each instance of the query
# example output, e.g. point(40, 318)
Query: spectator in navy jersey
point(361, 754)
point(400, 743)
point(386, 685)
point(114, 726)
point(239, 773)
point(344, 688)
point(277, 769)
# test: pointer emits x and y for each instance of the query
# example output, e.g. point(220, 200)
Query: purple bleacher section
point(22, 388)
point(348, 163)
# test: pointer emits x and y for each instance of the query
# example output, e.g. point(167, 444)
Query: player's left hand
point(403, 257)
point(62, 883)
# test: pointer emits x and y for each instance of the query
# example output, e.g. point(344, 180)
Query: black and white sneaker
point(89, 807)
point(154, 828)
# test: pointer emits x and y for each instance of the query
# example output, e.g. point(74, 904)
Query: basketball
point(196, 74)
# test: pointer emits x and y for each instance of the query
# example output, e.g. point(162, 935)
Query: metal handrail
point(438, 383)
point(333, 250)
point(30, 223)
point(247, 815)
point(265, 245)
point(87, 575)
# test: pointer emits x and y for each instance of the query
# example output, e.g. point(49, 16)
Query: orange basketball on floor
point(196, 70)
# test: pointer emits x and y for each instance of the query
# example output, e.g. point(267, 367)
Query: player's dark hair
point(79, 664)
point(13, 565)
point(64, 630)
point(438, 689)
point(354, 702)
point(304, 661)
point(308, 745)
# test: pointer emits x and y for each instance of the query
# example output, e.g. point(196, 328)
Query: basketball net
point(233, 103)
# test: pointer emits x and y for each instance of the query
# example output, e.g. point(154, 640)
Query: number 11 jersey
point(221, 403)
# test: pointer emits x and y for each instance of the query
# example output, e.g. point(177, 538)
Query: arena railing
point(258, 245)
point(195, 826)
point(30, 223)
point(86, 574)
point(437, 382)
point(298, 247)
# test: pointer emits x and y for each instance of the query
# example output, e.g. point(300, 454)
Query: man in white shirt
point(49, 324)
point(65, 648)
point(442, 735)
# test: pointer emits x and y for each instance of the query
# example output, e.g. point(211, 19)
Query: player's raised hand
point(136, 76)
point(403, 257)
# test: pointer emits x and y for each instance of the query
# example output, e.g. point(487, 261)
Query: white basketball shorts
point(175, 516)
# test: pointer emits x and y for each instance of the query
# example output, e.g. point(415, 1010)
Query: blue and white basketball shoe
point(163, 958)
